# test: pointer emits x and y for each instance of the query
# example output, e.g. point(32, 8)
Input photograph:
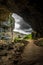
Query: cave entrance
point(21, 26)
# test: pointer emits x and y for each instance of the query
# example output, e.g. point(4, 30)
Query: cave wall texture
point(30, 10)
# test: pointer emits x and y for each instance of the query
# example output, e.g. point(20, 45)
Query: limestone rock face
point(30, 10)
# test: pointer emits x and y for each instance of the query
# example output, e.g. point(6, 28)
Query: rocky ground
point(21, 53)
point(10, 54)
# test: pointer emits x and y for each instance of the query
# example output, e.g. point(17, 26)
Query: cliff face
point(30, 10)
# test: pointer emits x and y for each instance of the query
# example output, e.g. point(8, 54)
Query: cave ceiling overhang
point(19, 6)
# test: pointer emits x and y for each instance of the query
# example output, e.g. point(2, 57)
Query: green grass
point(28, 36)
point(17, 39)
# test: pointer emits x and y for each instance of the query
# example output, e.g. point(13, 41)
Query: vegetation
point(7, 26)
point(28, 36)
point(17, 39)
point(11, 22)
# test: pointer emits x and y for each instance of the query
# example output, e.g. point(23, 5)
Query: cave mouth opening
point(21, 26)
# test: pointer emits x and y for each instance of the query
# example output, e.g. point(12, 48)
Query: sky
point(20, 25)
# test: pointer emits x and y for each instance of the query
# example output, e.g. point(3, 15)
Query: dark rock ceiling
point(30, 10)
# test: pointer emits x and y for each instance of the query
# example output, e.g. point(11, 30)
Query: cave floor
point(24, 53)
point(33, 54)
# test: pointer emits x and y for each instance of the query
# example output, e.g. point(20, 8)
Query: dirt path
point(33, 53)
